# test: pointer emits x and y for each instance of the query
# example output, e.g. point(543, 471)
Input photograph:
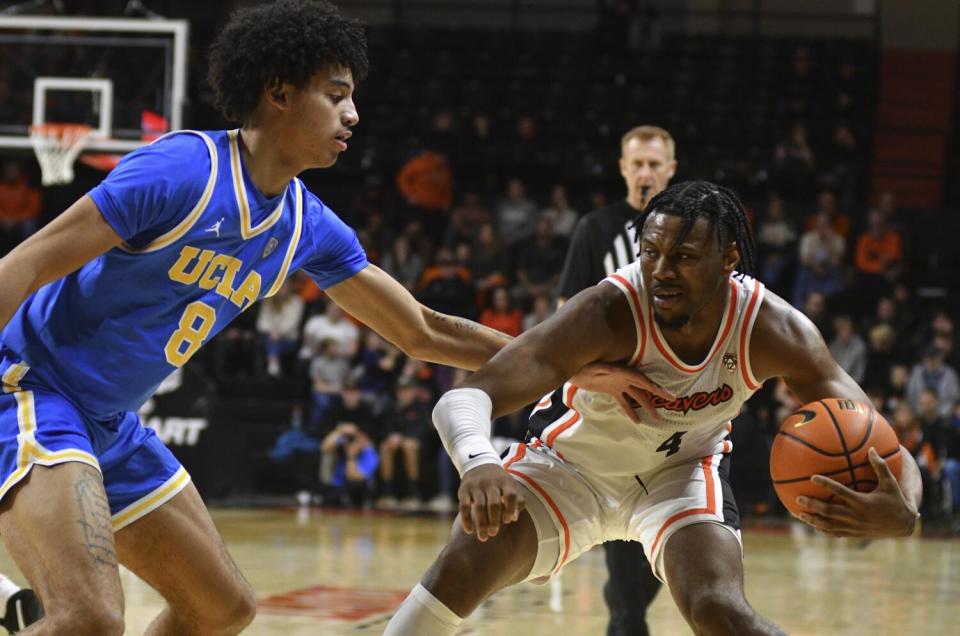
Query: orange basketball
point(830, 437)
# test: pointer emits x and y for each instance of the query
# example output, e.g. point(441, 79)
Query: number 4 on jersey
point(671, 445)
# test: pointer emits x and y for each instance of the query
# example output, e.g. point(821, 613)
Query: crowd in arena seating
point(469, 200)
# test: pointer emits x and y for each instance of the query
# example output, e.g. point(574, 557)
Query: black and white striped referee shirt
point(603, 242)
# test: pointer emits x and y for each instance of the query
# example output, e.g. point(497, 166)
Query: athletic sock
point(422, 614)
point(7, 589)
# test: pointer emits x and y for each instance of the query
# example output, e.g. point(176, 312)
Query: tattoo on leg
point(95, 520)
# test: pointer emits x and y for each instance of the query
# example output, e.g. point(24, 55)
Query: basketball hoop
point(57, 147)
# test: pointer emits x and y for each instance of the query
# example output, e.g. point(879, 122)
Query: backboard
point(113, 74)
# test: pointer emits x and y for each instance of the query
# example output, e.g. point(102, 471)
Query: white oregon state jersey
point(591, 430)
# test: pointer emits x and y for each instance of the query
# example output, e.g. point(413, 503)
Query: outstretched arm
point(384, 305)
point(78, 235)
point(786, 344)
point(373, 297)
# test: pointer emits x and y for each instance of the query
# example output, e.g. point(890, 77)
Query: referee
point(603, 242)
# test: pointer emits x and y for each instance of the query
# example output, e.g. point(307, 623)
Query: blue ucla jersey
point(201, 244)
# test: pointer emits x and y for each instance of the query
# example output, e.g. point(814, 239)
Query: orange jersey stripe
point(706, 462)
point(562, 427)
point(521, 451)
point(718, 345)
point(556, 510)
point(744, 354)
point(635, 300)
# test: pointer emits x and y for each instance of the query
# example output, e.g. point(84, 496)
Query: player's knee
point(713, 613)
point(232, 613)
point(94, 617)
point(241, 609)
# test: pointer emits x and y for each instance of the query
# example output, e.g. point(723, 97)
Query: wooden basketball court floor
point(333, 573)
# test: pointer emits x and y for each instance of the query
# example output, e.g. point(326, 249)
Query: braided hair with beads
point(692, 200)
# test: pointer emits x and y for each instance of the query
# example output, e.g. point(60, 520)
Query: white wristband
point(462, 418)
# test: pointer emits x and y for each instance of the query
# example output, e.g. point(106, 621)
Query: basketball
point(832, 438)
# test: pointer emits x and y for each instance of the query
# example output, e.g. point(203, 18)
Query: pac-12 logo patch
point(271, 245)
point(730, 361)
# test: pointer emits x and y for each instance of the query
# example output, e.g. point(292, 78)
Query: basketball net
point(57, 147)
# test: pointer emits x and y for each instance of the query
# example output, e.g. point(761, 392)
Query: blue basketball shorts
point(39, 425)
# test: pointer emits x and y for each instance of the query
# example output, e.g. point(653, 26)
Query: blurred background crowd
point(478, 152)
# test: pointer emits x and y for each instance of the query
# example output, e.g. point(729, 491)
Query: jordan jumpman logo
point(215, 228)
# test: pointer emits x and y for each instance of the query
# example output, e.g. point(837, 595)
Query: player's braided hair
point(289, 40)
point(694, 199)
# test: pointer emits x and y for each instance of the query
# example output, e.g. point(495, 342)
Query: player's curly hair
point(694, 199)
point(289, 40)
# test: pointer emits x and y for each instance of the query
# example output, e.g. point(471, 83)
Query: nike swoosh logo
point(472, 455)
point(808, 416)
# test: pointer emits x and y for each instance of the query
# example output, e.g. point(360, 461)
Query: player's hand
point(489, 496)
point(624, 383)
point(882, 512)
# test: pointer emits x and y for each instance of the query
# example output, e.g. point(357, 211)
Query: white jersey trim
point(746, 331)
point(188, 222)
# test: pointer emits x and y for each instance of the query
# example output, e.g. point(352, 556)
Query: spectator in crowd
point(446, 287)
point(541, 260)
point(776, 240)
point(907, 427)
point(479, 153)
point(235, 348)
point(466, 219)
point(501, 314)
point(328, 373)
point(951, 467)
point(837, 220)
point(815, 308)
point(402, 263)
point(332, 324)
point(933, 451)
point(563, 217)
point(19, 206)
point(311, 295)
point(887, 205)
point(380, 365)
point(880, 357)
point(821, 261)
point(348, 459)
point(848, 348)
point(407, 424)
point(524, 154)
point(541, 310)
point(348, 463)
point(905, 313)
point(294, 458)
point(794, 164)
point(516, 214)
point(933, 375)
point(879, 251)
point(844, 165)
point(889, 313)
point(278, 325)
point(369, 201)
point(426, 182)
point(937, 332)
point(897, 387)
point(489, 264)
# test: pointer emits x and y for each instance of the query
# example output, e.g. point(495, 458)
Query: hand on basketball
point(489, 496)
point(882, 512)
point(624, 383)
